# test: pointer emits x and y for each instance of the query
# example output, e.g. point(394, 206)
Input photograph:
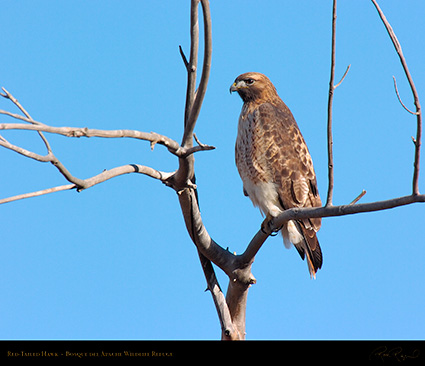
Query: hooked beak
point(234, 87)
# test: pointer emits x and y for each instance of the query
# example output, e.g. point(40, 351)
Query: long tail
point(307, 245)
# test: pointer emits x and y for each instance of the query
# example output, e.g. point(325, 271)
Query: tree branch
point(227, 328)
point(343, 77)
point(9, 96)
point(38, 193)
point(350, 209)
point(330, 101)
point(399, 99)
point(358, 198)
point(81, 184)
point(194, 102)
point(194, 98)
point(100, 178)
point(208, 250)
point(332, 87)
point(269, 227)
point(153, 137)
point(418, 113)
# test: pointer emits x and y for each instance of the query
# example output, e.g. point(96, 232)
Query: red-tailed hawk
point(274, 163)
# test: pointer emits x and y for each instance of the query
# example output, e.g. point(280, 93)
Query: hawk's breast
point(252, 163)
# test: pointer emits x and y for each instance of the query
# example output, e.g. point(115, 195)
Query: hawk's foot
point(267, 226)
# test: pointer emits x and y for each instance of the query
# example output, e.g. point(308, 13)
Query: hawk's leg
point(267, 225)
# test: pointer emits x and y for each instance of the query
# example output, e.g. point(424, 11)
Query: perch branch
point(269, 227)
point(350, 209)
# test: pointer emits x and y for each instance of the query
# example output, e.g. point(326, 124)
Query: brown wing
point(289, 159)
point(293, 173)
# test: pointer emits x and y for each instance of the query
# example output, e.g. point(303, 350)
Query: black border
point(169, 352)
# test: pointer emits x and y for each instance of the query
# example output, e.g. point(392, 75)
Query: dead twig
point(418, 113)
point(100, 178)
point(343, 77)
point(153, 137)
point(358, 198)
point(332, 88)
point(399, 99)
point(29, 118)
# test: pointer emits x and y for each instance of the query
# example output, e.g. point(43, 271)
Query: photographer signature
point(395, 353)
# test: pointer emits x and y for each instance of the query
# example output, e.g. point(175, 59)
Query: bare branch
point(358, 198)
point(350, 209)
point(100, 178)
point(18, 116)
point(195, 107)
point(185, 176)
point(399, 99)
point(254, 246)
point(418, 113)
point(210, 251)
point(191, 66)
point(332, 88)
point(126, 169)
point(270, 226)
point(330, 101)
point(7, 95)
point(29, 154)
point(30, 120)
point(186, 63)
point(38, 193)
point(343, 77)
point(227, 328)
point(153, 137)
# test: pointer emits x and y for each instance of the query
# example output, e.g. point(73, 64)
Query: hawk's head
point(253, 86)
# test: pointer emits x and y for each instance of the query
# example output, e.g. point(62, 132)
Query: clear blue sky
point(115, 261)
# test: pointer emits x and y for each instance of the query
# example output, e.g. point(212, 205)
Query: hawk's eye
point(249, 81)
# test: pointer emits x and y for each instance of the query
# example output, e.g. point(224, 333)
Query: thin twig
point(399, 99)
point(38, 193)
point(206, 67)
point(397, 46)
point(29, 154)
point(186, 63)
point(191, 66)
point(9, 96)
point(100, 178)
point(358, 198)
point(30, 119)
point(330, 101)
point(218, 297)
point(343, 77)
